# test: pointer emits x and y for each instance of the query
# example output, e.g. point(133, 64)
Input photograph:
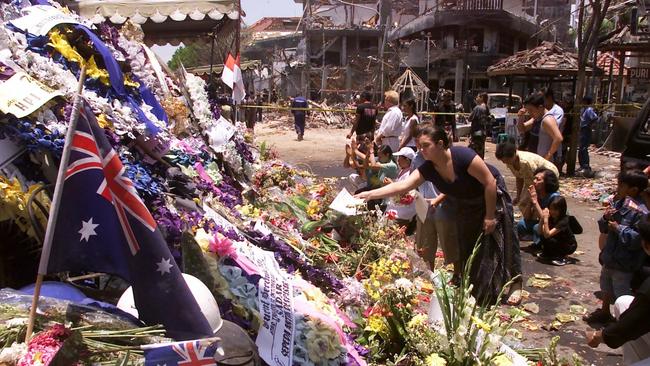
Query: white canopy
point(157, 10)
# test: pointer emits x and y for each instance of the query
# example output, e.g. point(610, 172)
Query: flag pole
point(54, 206)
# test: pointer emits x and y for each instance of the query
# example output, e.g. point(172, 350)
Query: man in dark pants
point(299, 116)
point(587, 118)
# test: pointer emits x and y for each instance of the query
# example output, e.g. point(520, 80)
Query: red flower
point(332, 258)
point(406, 199)
point(391, 214)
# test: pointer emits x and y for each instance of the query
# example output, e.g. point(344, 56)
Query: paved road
point(322, 152)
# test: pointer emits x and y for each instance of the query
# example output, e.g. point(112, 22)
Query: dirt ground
point(321, 151)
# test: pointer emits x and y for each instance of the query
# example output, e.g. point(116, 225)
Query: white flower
point(16, 322)
point(404, 284)
point(11, 355)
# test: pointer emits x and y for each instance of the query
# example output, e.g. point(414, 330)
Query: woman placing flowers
point(477, 189)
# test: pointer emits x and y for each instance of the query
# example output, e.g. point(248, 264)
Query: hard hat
point(201, 293)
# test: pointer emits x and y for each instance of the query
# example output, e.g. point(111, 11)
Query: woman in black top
point(483, 206)
point(557, 239)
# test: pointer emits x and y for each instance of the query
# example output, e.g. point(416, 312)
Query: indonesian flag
point(232, 77)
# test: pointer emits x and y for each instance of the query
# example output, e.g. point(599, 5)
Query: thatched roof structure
point(410, 81)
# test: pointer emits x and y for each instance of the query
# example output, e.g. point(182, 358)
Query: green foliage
point(187, 55)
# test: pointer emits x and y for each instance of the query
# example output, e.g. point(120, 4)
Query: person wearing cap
point(400, 205)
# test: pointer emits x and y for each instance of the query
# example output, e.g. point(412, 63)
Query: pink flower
point(222, 246)
point(44, 346)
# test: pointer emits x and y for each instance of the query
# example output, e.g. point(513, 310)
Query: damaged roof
point(546, 59)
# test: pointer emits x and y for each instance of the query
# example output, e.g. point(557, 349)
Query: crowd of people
point(469, 204)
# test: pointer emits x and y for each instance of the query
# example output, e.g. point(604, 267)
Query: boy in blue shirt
point(622, 254)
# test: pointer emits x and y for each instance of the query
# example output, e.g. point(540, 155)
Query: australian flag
point(191, 353)
point(103, 226)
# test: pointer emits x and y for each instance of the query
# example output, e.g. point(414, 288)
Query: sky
point(254, 9)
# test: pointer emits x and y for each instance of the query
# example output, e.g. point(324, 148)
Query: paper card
point(513, 356)
point(219, 134)
point(345, 203)
point(39, 19)
point(21, 95)
point(421, 207)
point(261, 228)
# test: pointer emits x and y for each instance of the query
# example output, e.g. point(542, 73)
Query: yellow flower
point(61, 44)
point(435, 360)
point(501, 360)
point(377, 324)
point(104, 122)
point(481, 324)
point(203, 239)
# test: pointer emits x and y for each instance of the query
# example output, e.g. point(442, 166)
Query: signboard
point(640, 73)
point(21, 95)
point(39, 19)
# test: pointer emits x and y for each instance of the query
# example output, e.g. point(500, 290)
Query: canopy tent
point(163, 21)
point(410, 81)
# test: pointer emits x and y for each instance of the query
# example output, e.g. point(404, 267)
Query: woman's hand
point(489, 225)
point(366, 196)
point(594, 338)
point(533, 193)
point(545, 214)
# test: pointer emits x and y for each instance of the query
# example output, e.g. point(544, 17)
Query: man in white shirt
point(391, 124)
point(558, 113)
point(553, 108)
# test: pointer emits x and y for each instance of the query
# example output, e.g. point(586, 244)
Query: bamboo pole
point(56, 201)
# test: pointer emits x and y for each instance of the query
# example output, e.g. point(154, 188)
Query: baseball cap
point(406, 152)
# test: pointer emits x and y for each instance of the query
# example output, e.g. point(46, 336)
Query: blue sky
point(254, 9)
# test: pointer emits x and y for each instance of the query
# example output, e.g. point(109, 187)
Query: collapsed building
point(346, 45)
point(453, 42)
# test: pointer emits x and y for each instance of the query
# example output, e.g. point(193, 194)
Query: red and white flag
point(232, 77)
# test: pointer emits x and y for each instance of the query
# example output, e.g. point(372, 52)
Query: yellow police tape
point(341, 110)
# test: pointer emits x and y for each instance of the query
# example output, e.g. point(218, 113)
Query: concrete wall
point(415, 55)
point(514, 7)
point(427, 4)
point(337, 13)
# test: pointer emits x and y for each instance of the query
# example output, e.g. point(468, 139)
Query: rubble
point(548, 56)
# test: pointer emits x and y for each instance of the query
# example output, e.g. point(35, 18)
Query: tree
point(186, 55)
point(590, 20)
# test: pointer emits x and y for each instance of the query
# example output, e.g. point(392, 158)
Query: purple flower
point(242, 148)
point(290, 260)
